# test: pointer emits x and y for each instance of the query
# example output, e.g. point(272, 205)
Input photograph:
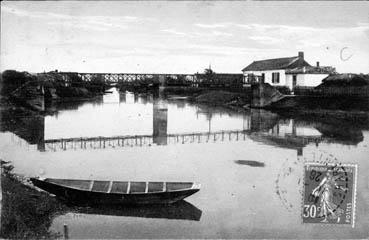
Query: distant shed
point(346, 84)
point(345, 80)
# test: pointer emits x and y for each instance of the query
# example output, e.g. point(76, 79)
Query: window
point(275, 77)
point(250, 78)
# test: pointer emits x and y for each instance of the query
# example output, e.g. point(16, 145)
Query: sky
point(180, 36)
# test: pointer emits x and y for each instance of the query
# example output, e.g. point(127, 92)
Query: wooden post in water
point(66, 235)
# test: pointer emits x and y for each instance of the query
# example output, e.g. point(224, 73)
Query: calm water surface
point(240, 159)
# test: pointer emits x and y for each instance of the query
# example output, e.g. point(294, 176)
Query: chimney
point(317, 64)
point(301, 55)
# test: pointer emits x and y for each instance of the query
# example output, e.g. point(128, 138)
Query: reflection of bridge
point(288, 141)
point(142, 140)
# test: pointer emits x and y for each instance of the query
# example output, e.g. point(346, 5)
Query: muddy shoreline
point(241, 102)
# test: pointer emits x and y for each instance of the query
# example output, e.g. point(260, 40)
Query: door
point(294, 81)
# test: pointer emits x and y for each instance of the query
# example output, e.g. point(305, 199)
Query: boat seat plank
point(110, 186)
point(147, 187)
point(119, 187)
point(91, 185)
point(100, 186)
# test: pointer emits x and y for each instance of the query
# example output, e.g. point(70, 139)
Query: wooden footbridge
point(186, 138)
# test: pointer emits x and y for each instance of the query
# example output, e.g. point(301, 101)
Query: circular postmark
point(290, 179)
point(326, 186)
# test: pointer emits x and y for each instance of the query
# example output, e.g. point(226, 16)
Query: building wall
point(268, 76)
point(305, 80)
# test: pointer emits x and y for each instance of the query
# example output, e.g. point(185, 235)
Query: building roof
point(312, 70)
point(276, 63)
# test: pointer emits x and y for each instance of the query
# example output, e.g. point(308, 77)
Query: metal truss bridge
point(124, 77)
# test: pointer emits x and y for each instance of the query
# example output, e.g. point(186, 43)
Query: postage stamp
point(329, 193)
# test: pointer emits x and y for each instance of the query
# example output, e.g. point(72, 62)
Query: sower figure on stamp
point(325, 193)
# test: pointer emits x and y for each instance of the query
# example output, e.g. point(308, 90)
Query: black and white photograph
point(184, 119)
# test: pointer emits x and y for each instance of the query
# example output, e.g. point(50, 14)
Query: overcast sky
point(180, 37)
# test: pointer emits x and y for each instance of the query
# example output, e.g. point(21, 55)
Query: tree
point(209, 75)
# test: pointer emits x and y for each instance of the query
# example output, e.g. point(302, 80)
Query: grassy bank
point(26, 213)
point(235, 99)
point(223, 98)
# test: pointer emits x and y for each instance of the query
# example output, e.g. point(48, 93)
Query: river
point(250, 165)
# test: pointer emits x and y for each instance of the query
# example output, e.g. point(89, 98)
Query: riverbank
point(26, 213)
point(234, 99)
point(34, 90)
point(351, 109)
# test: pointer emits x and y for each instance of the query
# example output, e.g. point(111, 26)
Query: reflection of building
point(160, 122)
point(122, 97)
point(287, 134)
point(262, 120)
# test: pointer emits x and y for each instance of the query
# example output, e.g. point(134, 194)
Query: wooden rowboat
point(117, 192)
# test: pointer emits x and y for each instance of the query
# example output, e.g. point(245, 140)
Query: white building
point(289, 72)
point(307, 76)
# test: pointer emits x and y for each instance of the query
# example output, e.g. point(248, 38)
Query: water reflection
point(207, 124)
point(25, 124)
point(181, 210)
point(160, 122)
point(54, 107)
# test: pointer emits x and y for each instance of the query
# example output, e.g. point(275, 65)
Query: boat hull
point(91, 197)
